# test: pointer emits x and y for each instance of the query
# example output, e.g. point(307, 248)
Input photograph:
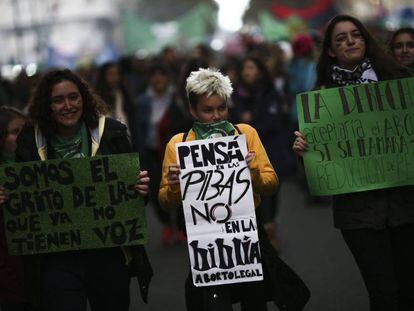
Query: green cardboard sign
point(62, 205)
point(360, 137)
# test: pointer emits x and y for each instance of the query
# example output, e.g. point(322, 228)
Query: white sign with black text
point(217, 196)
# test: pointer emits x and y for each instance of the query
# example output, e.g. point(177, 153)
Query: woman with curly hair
point(69, 122)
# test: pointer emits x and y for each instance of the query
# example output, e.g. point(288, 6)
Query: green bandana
point(212, 130)
point(75, 147)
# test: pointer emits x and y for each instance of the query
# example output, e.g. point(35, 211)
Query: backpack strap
point(185, 136)
point(238, 129)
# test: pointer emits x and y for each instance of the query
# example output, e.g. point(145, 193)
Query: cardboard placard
point(360, 137)
point(62, 205)
point(219, 211)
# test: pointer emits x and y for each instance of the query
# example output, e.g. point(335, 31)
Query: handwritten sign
point(62, 205)
point(219, 212)
point(361, 137)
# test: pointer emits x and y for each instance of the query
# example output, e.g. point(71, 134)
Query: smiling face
point(403, 49)
point(209, 109)
point(67, 107)
point(347, 45)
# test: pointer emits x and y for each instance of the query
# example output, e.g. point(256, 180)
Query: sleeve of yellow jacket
point(169, 196)
point(264, 178)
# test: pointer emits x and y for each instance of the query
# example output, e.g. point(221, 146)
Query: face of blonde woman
point(210, 109)
point(403, 49)
point(347, 45)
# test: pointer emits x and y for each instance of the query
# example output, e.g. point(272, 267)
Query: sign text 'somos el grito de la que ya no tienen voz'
point(61, 205)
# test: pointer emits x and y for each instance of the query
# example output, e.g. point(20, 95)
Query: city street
point(310, 245)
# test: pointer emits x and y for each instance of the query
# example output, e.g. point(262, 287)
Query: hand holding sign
point(249, 157)
point(173, 174)
point(300, 145)
point(142, 186)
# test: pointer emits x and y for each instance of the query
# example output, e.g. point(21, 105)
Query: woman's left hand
point(142, 186)
point(249, 157)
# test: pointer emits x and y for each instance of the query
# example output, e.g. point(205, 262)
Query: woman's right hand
point(173, 173)
point(300, 146)
point(3, 195)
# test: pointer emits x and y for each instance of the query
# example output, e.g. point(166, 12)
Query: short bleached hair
point(208, 82)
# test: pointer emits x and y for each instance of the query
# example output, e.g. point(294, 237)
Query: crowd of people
point(149, 105)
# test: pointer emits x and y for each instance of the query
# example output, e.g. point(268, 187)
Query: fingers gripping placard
point(219, 212)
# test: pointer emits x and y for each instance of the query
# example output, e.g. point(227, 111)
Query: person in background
point(257, 103)
point(112, 90)
point(402, 46)
point(178, 117)
point(172, 60)
point(150, 115)
point(69, 122)
point(204, 52)
point(301, 70)
point(12, 296)
point(302, 78)
point(377, 225)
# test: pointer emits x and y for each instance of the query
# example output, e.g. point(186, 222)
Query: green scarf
point(212, 130)
point(75, 147)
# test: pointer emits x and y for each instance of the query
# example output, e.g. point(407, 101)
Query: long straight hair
point(382, 62)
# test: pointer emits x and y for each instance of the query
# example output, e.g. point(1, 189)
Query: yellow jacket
point(264, 178)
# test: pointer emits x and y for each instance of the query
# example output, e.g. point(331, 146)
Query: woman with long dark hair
point(402, 46)
point(377, 225)
point(111, 88)
point(257, 102)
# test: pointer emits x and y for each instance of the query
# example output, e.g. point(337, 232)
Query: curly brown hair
point(41, 113)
